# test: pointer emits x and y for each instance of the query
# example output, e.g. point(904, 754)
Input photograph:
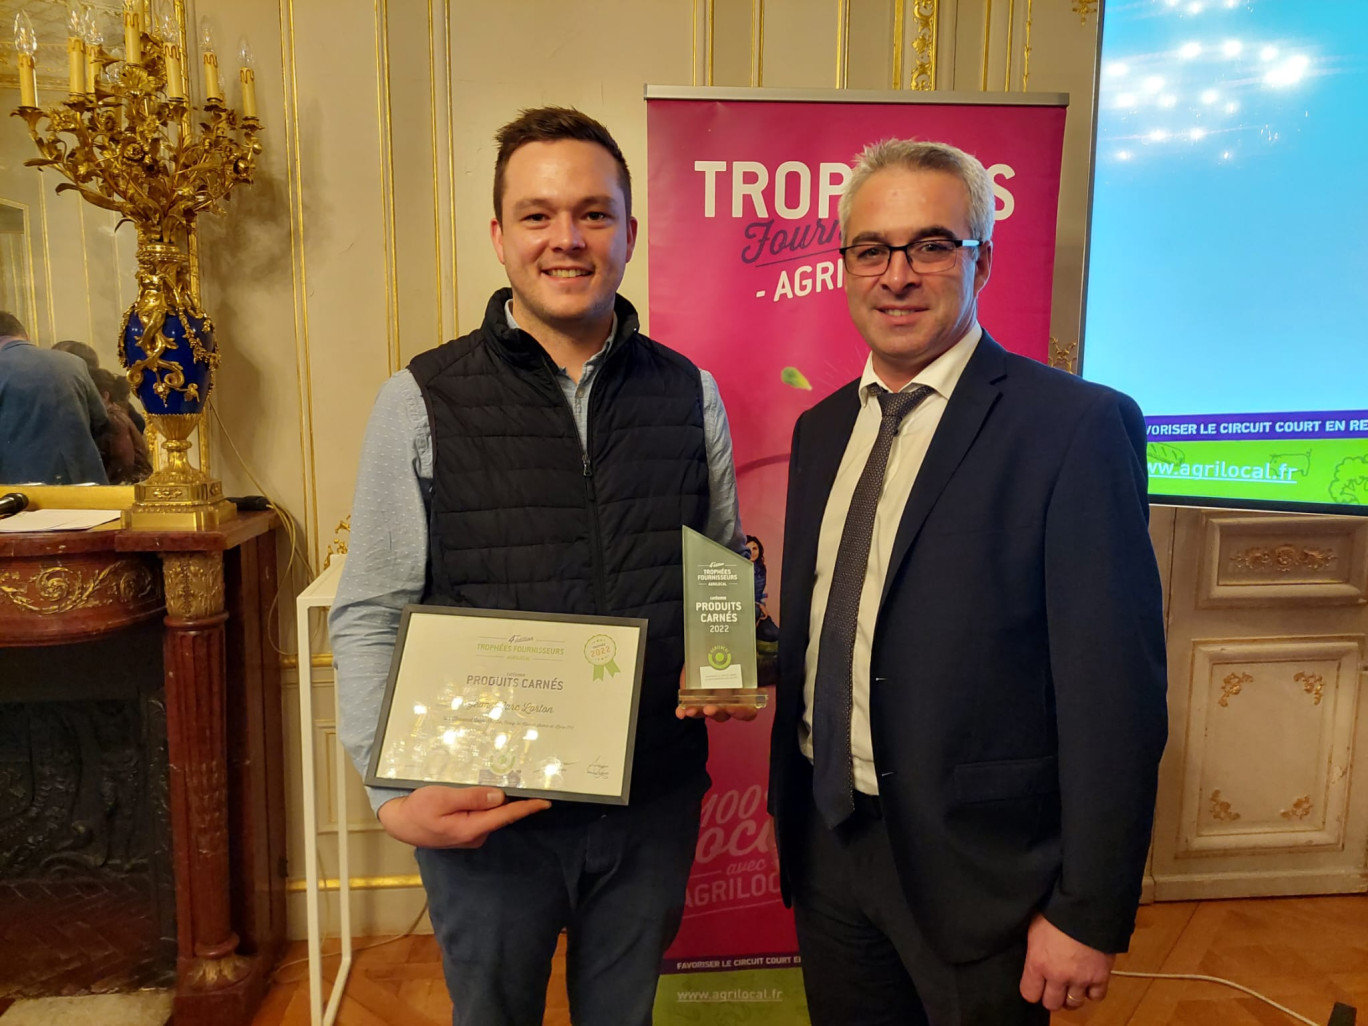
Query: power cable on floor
point(1240, 987)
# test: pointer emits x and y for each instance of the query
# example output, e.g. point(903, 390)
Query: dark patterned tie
point(832, 777)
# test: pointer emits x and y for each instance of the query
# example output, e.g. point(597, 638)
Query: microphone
point(13, 503)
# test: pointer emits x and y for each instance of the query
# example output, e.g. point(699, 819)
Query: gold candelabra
point(128, 138)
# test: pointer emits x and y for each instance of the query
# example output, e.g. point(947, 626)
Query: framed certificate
point(542, 705)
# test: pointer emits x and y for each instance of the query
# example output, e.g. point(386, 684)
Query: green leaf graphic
point(1161, 453)
point(794, 378)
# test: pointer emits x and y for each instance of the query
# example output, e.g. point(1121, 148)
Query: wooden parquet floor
point(1306, 953)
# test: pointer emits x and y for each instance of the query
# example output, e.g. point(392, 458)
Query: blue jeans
point(615, 883)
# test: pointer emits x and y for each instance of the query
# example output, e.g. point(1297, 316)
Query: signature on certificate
point(597, 769)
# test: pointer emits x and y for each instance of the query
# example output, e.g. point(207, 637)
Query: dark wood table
point(214, 591)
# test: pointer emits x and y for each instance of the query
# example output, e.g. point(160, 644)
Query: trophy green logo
point(601, 651)
point(719, 657)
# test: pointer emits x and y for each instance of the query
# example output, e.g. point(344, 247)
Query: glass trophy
point(719, 626)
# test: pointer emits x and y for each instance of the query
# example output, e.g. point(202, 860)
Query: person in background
point(50, 413)
point(123, 391)
point(123, 448)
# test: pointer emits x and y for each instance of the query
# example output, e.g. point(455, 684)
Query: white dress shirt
point(904, 461)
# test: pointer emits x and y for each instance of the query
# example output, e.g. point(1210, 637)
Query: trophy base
point(696, 698)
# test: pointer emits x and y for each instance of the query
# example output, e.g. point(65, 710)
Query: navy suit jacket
point(1017, 694)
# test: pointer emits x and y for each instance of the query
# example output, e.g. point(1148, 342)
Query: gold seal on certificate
point(719, 626)
point(542, 705)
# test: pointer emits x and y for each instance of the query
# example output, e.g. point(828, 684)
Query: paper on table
point(57, 520)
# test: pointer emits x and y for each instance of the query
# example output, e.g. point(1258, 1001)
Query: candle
point(247, 75)
point(249, 107)
point(76, 72)
point(75, 54)
point(28, 82)
point(175, 73)
point(132, 22)
point(26, 43)
point(212, 89)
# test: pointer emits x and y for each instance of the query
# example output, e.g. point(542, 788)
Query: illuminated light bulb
point(1232, 4)
point(456, 702)
point(90, 27)
point(1289, 72)
point(1268, 53)
point(1210, 96)
point(500, 741)
point(496, 712)
point(1123, 154)
point(1168, 100)
point(1190, 50)
point(419, 709)
point(1157, 135)
point(1225, 154)
point(552, 768)
point(1194, 8)
point(1231, 107)
point(164, 21)
point(531, 734)
point(25, 40)
point(1197, 134)
point(1232, 47)
point(74, 15)
point(449, 737)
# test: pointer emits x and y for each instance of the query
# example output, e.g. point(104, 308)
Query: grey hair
point(913, 155)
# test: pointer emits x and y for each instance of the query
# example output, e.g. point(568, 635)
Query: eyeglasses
point(927, 256)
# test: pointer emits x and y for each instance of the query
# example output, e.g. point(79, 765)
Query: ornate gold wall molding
point(60, 589)
point(194, 584)
point(338, 546)
point(1283, 558)
point(1301, 808)
point(1063, 355)
point(924, 19)
point(1221, 810)
point(358, 883)
point(1312, 683)
point(1083, 8)
point(1232, 685)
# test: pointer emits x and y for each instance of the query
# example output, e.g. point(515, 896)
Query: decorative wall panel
point(1262, 559)
point(1270, 732)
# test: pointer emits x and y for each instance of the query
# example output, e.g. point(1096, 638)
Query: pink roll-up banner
point(746, 281)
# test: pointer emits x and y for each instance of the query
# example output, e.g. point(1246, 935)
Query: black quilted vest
point(523, 517)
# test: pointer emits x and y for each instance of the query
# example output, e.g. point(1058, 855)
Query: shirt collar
point(942, 373)
point(607, 345)
point(14, 340)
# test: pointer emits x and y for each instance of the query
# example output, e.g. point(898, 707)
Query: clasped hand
point(448, 817)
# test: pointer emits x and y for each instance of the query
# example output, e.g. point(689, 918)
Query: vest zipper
point(591, 498)
point(595, 531)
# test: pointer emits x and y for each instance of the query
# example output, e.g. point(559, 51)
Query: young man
point(545, 462)
point(971, 700)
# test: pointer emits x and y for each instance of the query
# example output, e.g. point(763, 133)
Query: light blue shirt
point(387, 553)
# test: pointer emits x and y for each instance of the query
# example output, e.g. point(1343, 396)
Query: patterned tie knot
point(897, 405)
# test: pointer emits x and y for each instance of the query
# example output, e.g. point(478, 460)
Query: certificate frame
point(446, 671)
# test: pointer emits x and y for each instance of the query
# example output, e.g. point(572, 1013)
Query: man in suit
point(971, 702)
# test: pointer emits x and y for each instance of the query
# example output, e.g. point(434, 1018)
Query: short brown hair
point(548, 124)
